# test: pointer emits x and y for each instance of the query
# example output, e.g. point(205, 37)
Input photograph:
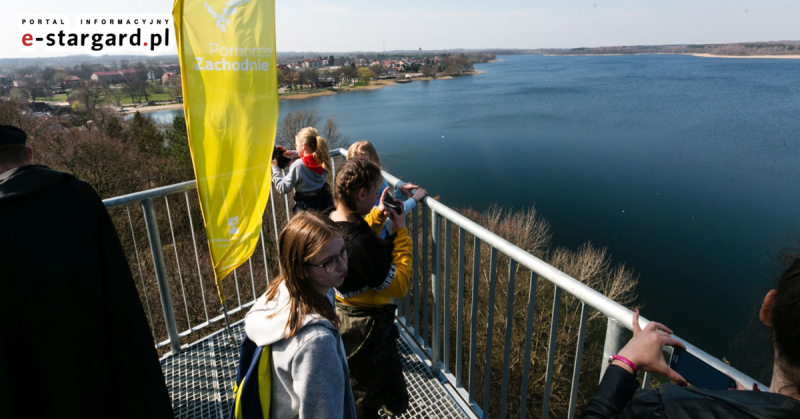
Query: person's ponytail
point(322, 154)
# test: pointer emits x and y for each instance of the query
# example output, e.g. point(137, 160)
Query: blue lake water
point(687, 169)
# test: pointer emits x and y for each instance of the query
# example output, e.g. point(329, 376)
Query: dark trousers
point(376, 373)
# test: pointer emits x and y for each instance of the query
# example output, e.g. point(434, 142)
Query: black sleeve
point(140, 390)
point(615, 391)
point(370, 260)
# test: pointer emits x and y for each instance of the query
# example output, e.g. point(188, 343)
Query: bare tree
point(89, 94)
point(331, 133)
point(136, 89)
point(292, 123)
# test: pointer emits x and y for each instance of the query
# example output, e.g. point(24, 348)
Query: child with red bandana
point(308, 175)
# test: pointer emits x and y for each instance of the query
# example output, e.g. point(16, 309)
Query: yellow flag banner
point(230, 91)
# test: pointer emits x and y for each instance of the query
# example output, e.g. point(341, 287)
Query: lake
point(685, 168)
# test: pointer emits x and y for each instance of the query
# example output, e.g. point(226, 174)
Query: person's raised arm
point(642, 352)
point(284, 184)
point(401, 258)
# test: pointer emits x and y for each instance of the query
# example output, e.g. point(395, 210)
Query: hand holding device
point(277, 154)
point(698, 373)
point(644, 349)
point(389, 202)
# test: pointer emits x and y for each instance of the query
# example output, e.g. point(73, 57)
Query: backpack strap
point(252, 389)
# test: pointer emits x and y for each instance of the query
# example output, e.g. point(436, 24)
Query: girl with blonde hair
point(308, 175)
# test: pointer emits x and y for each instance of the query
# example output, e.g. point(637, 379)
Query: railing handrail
point(121, 200)
point(589, 296)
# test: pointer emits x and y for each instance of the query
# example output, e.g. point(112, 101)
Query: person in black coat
point(619, 396)
point(74, 340)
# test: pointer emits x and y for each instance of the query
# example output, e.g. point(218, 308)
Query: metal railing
point(425, 312)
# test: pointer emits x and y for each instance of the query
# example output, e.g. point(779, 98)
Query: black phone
point(283, 161)
point(389, 202)
point(698, 373)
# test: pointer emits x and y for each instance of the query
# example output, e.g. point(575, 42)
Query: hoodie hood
point(26, 180)
point(311, 162)
point(266, 322)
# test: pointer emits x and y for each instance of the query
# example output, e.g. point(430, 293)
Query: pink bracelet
point(625, 361)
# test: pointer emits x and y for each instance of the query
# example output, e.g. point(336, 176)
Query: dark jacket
point(74, 340)
point(619, 396)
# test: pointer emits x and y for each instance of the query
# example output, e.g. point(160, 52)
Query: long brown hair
point(301, 240)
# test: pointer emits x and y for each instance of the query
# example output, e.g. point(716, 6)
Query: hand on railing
point(420, 194)
point(644, 349)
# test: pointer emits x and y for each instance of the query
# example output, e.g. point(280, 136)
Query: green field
point(153, 97)
point(56, 98)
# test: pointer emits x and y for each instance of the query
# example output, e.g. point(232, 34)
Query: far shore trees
point(137, 89)
point(89, 94)
point(365, 74)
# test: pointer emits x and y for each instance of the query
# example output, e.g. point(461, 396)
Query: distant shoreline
point(148, 109)
point(784, 57)
point(374, 85)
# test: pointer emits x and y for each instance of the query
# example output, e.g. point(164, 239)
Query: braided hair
point(355, 174)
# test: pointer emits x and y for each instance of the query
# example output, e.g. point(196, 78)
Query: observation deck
point(503, 335)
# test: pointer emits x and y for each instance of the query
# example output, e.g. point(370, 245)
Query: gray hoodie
point(310, 377)
point(304, 175)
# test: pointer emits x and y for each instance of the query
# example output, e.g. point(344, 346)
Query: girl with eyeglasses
point(304, 373)
point(378, 270)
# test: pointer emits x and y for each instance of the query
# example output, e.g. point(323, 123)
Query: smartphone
point(283, 161)
point(698, 373)
point(388, 202)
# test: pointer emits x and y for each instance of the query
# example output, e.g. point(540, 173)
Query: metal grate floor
point(200, 380)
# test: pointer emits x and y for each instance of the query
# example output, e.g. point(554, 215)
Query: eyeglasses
point(330, 264)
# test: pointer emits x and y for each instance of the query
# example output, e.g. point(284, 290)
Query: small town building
point(114, 76)
point(71, 82)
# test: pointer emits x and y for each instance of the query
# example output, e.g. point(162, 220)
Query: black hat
point(11, 135)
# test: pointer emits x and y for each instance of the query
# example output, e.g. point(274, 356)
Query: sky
point(368, 25)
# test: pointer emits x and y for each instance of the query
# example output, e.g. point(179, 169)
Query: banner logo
point(227, 11)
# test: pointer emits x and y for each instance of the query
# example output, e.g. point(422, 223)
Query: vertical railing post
point(437, 292)
point(425, 276)
point(446, 294)
point(615, 340)
point(460, 307)
point(576, 372)
point(551, 352)
point(161, 274)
